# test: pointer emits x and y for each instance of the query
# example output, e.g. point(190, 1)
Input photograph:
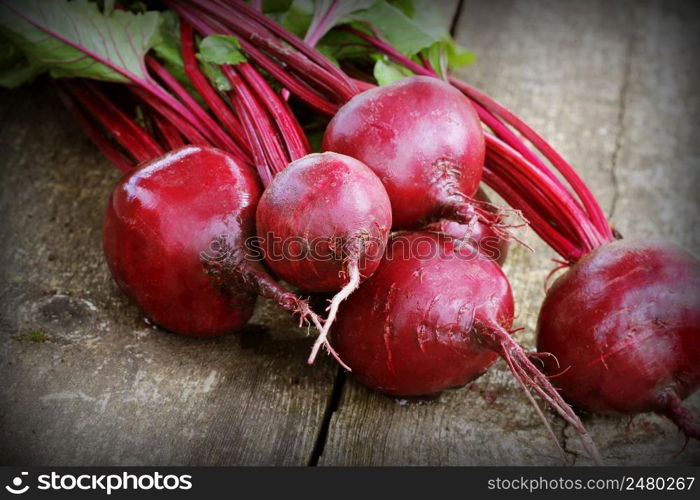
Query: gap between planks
point(341, 376)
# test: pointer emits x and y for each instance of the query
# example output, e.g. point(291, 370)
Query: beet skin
point(423, 139)
point(624, 325)
point(159, 220)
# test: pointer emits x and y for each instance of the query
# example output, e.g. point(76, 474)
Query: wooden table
point(614, 85)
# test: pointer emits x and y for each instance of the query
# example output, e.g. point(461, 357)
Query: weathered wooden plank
point(657, 163)
point(604, 81)
point(612, 86)
point(104, 387)
point(656, 167)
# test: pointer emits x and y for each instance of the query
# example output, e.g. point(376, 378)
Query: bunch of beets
point(222, 198)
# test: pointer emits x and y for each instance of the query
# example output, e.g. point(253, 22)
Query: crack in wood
point(456, 17)
point(621, 114)
point(331, 408)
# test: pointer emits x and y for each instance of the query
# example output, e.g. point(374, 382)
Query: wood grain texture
point(85, 380)
point(611, 84)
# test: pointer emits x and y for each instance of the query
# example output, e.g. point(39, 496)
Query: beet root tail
point(470, 211)
point(314, 318)
point(353, 273)
point(680, 415)
point(230, 270)
point(529, 377)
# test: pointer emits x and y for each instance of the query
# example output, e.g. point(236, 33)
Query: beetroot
point(330, 203)
point(423, 139)
point(323, 223)
point(431, 318)
point(621, 324)
point(624, 326)
point(169, 215)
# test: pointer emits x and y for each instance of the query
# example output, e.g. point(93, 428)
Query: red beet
point(164, 217)
point(481, 237)
point(624, 325)
point(325, 204)
point(431, 318)
point(423, 139)
point(323, 223)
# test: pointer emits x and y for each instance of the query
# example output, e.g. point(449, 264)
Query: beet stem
point(193, 135)
point(268, 152)
point(353, 271)
point(98, 137)
point(210, 96)
point(116, 122)
point(490, 111)
point(206, 25)
point(262, 32)
point(321, 22)
point(498, 339)
point(584, 229)
point(589, 202)
point(214, 133)
point(168, 132)
point(549, 234)
point(290, 131)
point(343, 86)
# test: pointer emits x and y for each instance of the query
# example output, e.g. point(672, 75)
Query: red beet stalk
point(202, 85)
